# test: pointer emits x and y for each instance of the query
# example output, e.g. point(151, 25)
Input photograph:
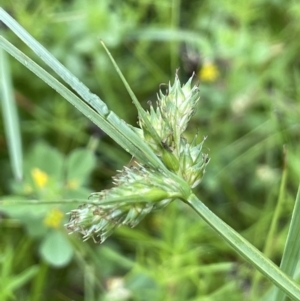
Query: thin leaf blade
point(111, 124)
point(10, 118)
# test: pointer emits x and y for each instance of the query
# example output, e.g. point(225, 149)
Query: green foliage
point(56, 249)
point(12, 282)
point(249, 109)
point(50, 176)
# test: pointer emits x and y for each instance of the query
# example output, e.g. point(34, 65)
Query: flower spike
point(140, 189)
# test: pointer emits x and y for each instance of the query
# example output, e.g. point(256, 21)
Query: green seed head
point(171, 116)
point(193, 162)
point(138, 192)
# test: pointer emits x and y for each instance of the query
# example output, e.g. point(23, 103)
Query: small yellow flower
point(209, 72)
point(39, 177)
point(53, 218)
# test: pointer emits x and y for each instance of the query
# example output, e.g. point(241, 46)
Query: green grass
point(248, 113)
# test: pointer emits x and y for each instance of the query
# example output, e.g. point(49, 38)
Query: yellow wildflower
point(53, 218)
point(209, 72)
point(39, 177)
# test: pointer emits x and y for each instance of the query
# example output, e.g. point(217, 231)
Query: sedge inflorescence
point(140, 189)
point(170, 119)
point(137, 192)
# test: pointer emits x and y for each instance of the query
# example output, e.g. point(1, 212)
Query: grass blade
point(245, 249)
point(291, 252)
point(10, 117)
point(109, 121)
point(135, 101)
point(92, 99)
point(116, 128)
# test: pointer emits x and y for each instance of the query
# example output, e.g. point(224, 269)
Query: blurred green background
point(245, 55)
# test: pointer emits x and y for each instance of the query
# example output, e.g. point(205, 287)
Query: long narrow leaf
point(146, 155)
point(113, 126)
point(291, 252)
point(245, 249)
point(132, 199)
point(134, 99)
point(10, 117)
point(93, 100)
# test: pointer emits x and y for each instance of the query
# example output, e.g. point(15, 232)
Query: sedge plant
point(169, 166)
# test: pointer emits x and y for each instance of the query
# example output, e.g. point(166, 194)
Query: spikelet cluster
point(139, 190)
point(171, 115)
point(170, 119)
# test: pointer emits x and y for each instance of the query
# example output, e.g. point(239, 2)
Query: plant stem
point(246, 250)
